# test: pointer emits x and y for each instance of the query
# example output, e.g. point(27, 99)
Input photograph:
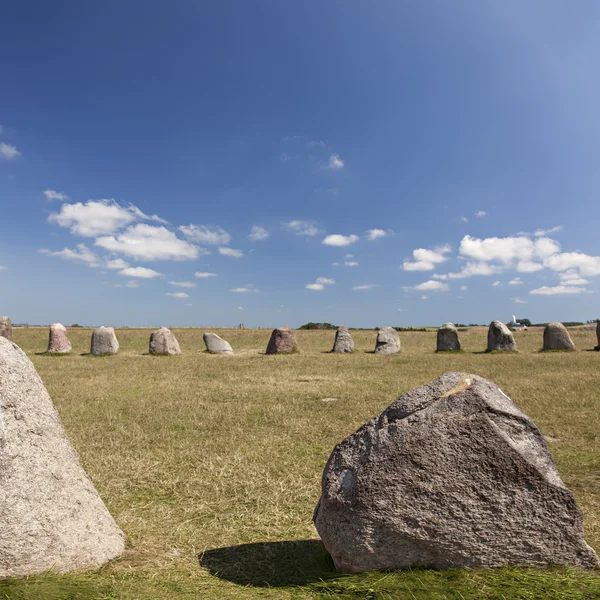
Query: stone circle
point(447, 338)
point(282, 341)
point(388, 341)
point(58, 340)
point(104, 341)
point(216, 345)
point(162, 341)
point(556, 337)
point(343, 340)
point(500, 338)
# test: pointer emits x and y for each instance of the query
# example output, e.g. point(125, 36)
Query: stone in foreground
point(556, 337)
point(162, 341)
point(217, 345)
point(343, 341)
point(58, 340)
point(104, 341)
point(447, 338)
point(5, 328)
point(282, 340)
point(500, 338)
point(452, 474)
point(388, 341)
point(52, 516)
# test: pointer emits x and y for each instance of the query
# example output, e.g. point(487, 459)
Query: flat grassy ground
point(223, 456)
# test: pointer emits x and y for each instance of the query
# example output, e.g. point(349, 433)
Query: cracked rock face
point(58, 340)
point(388, 341)
point(104, 341)
point(452, 474)
point(216, 345)
point(447, 338)
point(51, 514)
point(500, 338)
point(556, 337)
point(162, 341)
point(343, 341)
point(282, 340)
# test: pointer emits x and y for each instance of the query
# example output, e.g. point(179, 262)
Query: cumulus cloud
point(480, 213)
point(469, 270)
point(81, 253)
point(300, 227)
point(149, 242)
point(257, 234)
point(54, 195)
point(543, 232)
point(426, 260)
point(340, 240)
point(117, 263)
point(572, 277)
point(507, 250)
point(374, 234)
point(183, 284)
point(178, 294)
point(98, 217)
point(429, 286)
point(316, 287)
point(516, 281)
point(527, 266)
point(231, 252)
point(587, 265)
point(559, 289)
point(335, 162)
point(206, 234)
point(9, 152)
point(245, 290)
point(496, 284)
point(204, 274)
point(141, 272)
point(366, 286)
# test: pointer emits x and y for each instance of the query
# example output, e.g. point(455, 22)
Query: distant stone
point(52, 516)
point(5, 328)
point(343, 341)
point(556, 337)
point(58, 340)
point(104, 341)
point(447, 338)
point(216, 345)
point(452, 474)
point(388, 341)
point(282, 340)
point(598, 333)
point(500, 338)
point(162, 341)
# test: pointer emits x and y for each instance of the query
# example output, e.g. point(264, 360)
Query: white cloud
point(325, 280)
point(149, 242)
point(117, 263)
point(335, 162)
point(231, 252)
point(204, 274)
point(361, 288)
point(81, 253)
point(518, 300)
point(480, 213)
point(496, 284)
point(527, 266)
point(141, 272)
point(516, 281)
point(430, 286)
point(257, 234)
point(588, 266)
point(317, 287)
point(464, 288)
point(572, 277)
point(54, 195)
point(463, 219)
point(178, 294)
point(340, 240)
point(559, 289)
point(374, 234)
point(469, 270)
point(426, 260)
point(299, 227)
point(98, 217)
point(543, 232)
point(245, 290)
point(7, 151)
point(348, 263)
point(507, 250)
point(240, 308)
point(206, 234)
point(183, 284)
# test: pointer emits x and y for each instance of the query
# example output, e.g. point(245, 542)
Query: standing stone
point(5, 328)
point(556, 337)
point(388, 341)
point(216, 345)
point(104, 341)
point(343, 341)
point(58, 340)
point(282, 340)
point(162, 341)
point(452, 474)
point(500, 338)
point(598, 333)
point(447, 338)
point(52, 515)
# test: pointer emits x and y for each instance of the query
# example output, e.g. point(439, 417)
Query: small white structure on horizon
point(514, 325)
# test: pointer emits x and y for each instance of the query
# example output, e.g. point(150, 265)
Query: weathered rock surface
point(5, 328)
point(52, 516)
point(447, 338)
point(216, 345)
point(58, 340)
point(162, 341)
point(343, 341)
point(104, 341)
point(452, 474)
point(282, 340)
point(556, 337)
point(500, 337)
point(388, 341)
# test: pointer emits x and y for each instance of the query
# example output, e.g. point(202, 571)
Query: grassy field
point(211, 465)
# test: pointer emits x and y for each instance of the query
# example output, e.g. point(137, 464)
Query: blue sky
point(267, 162)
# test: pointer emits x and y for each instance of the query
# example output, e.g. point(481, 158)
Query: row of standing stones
point(451, 474)
point(283, 340)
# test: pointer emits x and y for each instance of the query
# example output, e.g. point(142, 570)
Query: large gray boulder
point(388, 341)
point(104, 341)
point(5, 328)
point(58, 340)
point(452, 474)
point(500, 338)
point(447, 338)
point(556, 337)
point(282, 341)
point(162, 341)
point(52, 516)
point(343, 341)
point(216, 345)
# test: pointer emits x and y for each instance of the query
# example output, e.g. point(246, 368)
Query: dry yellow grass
point(199, 452)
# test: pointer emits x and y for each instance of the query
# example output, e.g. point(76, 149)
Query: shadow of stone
point(271, 564)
